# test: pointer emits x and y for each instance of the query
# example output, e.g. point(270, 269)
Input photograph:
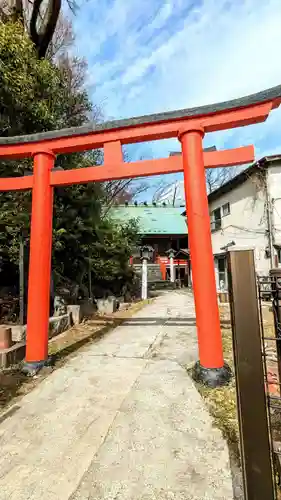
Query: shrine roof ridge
point(264, 96)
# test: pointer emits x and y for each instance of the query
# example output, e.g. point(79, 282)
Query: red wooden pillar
point(210, 369)
point(40, 262)
point(163, 270)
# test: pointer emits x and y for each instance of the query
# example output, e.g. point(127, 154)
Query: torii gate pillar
point(211, 368)
point(38, 305)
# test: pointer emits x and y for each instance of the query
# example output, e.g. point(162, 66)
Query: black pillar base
point(30, 369)
point(211, 377)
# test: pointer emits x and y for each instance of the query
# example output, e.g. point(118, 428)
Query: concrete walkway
point(121, 420)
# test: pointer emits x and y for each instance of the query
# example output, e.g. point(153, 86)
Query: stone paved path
point(120, 420)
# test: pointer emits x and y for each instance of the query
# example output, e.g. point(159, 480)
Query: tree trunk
point(42, 35)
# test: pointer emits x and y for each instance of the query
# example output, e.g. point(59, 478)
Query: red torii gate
point(189, 125)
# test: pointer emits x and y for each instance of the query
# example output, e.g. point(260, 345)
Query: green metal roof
point(152, 220)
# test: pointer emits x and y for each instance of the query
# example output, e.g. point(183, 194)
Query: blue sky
point(148, 56)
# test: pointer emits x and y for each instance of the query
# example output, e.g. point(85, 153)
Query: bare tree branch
point(216, 177)
point(62, 39)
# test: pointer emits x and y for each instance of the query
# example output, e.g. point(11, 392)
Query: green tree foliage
point(32, 92)
point(110, 255)
point(87, 242)
point(37, 95)
point(40, 18)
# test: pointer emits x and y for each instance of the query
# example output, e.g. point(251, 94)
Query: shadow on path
point(13, 383)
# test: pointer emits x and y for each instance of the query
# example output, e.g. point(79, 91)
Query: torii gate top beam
point(235, 113)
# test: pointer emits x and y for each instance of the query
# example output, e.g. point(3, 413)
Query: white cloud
point(174, 55)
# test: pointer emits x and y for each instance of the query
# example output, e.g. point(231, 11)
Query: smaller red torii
point(189, 126)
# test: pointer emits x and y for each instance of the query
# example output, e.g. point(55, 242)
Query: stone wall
point(57, 325)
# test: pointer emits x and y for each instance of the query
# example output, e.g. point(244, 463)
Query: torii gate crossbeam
point(189, 126)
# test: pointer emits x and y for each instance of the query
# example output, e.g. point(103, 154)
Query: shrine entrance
point(189, 126)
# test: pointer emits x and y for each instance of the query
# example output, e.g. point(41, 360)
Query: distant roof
point(183, 251)
point(157, 220)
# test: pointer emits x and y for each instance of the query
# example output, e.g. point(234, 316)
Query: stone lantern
point(171, 255)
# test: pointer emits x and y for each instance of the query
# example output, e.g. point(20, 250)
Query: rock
point(18, 333)
point(60, 307)
point(12, 355)
point(76, 313)
point(59, 324)
point(107, 306)
point(88, 308)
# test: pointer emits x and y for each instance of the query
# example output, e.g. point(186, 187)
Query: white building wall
point(246, 224)
point(217, 274)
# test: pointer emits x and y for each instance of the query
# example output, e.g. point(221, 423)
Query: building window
point(225, 209)
point(216, 219)
point(222, 274)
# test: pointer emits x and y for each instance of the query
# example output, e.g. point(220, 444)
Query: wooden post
point(251, 400)
point(163, 270)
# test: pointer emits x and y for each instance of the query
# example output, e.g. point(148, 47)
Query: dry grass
point(222, 400)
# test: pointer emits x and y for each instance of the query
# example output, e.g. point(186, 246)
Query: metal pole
point(210, 369)
point(269, 223)
point(275, 275)
point(21, 281)
point(39, 263)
